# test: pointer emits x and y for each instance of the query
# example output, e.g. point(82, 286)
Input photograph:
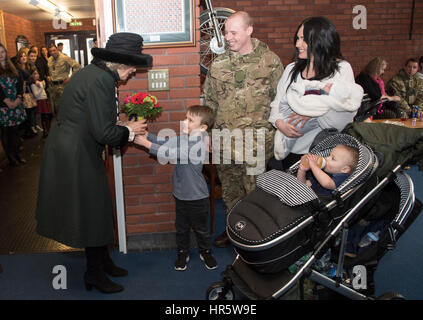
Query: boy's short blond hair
point(354, 155)
point(205, 113)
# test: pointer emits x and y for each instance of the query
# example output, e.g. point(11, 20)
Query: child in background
point(43, 104)
point(339, 166)
point(189, 186)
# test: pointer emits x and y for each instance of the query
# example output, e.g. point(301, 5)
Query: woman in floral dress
point(12, 112)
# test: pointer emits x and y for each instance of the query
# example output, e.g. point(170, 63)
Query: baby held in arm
point(340, 164)
point(309, 100)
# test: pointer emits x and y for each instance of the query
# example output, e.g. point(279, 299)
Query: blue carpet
point(152, 277)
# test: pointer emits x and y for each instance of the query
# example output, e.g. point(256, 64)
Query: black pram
point(283, 220)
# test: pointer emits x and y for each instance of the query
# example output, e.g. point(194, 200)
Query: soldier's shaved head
point(244, 16)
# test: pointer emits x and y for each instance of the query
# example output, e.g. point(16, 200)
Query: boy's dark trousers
point(192, 214)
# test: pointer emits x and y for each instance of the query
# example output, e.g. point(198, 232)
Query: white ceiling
point(80, 9)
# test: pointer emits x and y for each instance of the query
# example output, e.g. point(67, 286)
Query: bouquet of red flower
point(141, 105)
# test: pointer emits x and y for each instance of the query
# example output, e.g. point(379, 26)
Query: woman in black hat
point(74, 203)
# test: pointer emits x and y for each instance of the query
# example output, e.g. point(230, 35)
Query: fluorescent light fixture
point(66, 16)
point(50, 7)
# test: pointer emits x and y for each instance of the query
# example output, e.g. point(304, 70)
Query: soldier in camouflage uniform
point(239, 87)
point(59, 66)
point(407, 85)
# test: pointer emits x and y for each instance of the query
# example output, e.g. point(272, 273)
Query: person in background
point(41, 62)
point(408, 86)
point(12, 111)
point(239, 87)
point(25, 69)
point(74, 202)
point(95, 45)
point(60, 47)
point(32, 59)
point(43, 103)
point(59, 66)
point(370, 79)
point(420, 72)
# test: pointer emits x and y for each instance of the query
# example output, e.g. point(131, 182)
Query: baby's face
point(338, 161)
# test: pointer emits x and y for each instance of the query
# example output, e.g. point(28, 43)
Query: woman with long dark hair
point(12, 112)
point(317, 91)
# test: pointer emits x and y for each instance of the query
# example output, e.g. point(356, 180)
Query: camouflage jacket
point(410, 89)
point(239, 88)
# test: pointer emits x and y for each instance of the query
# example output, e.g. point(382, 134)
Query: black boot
point(109, 266)
point(95, 275)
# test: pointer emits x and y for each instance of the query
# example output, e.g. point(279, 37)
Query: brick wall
point(387, 33)
point(35, 30)
point(15, 26)
point(148, 185)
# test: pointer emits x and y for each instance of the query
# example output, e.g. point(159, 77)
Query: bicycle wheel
point(207, 53)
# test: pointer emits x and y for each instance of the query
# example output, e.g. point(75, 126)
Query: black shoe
point(100, 281)
point(181, 262)
point(209, 260)
point(110, 268)
point(95, 276)
point(222, 241)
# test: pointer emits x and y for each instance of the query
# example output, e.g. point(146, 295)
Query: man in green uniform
point(407, 85)
point(59, 66)
point(239, 87)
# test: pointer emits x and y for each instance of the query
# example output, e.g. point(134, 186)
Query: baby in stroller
point(341, 162)
point(283, 220)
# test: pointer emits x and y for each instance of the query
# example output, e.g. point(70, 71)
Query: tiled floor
point(18, 197)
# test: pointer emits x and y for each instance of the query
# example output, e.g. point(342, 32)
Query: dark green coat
point(396, 143)
point(74, 203)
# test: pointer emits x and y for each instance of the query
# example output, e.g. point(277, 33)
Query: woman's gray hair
point(115, 65)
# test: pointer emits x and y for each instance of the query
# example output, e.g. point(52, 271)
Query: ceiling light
point(50, 7)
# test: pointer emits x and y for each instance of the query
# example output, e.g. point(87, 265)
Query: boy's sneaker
point(181, 262)
point(208, 259)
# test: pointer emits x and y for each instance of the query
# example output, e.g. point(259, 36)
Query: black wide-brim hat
point(124, 48)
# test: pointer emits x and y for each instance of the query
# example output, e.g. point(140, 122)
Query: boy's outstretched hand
point(141, 140)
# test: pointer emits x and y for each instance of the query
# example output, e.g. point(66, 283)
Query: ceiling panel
point(80, 9)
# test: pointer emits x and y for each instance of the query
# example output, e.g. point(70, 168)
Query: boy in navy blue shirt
point(188, 152)
point(339, 165)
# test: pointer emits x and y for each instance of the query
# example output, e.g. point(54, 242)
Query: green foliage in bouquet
point(141, 105)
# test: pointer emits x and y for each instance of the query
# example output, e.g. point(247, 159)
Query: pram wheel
point(220, 291)
point(391, 296)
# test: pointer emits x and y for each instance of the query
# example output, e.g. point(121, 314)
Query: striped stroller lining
point(367, 160)
point(286, 187)
point(293, 192)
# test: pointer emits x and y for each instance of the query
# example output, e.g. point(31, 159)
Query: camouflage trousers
point(235, 182)
point(55, 92)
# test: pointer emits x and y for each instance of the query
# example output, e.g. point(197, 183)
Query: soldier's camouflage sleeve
point(210, 93)
point(395, 87)
point(275, 76)
point(419, 94)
